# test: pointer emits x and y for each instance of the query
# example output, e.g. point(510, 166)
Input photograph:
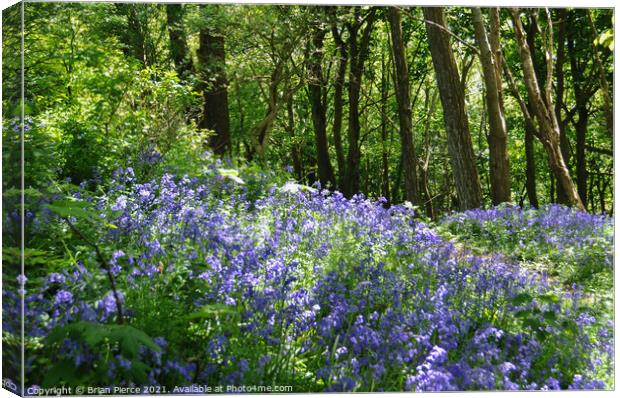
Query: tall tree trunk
point(319, 107)
point(295, 144)
point(385, 155)
point(134, 37)
point(498, 138)
point(530, 166)
point(338, 102)
point(260, 131)
point(581, 128)
point(559, 100)
point(530, 133)
point(396, 187)
point(530, 128)
point(548, 132)
point(552, 187)
point(178, 39)
point(403, 98)
point(532, 30)
point(453, 103)
point(581, 125)
point(427, 199)
point(601, 192)
point(212, 58)
point(358, 53)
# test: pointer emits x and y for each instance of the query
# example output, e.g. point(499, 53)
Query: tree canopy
point(474, 107)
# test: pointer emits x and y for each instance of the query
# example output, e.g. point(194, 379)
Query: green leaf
point(62, 372)
point(93, 335)
point(522, 314)
point(127, 337)
point(550, 298)
point(550, 315)
point(78, 209)
point(606, 39)
point(533, 323)
point(71, 208)
point(130, 339)
point(521, 299)
point(139, 372)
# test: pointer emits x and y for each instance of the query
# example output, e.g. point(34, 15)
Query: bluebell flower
point(63, 297)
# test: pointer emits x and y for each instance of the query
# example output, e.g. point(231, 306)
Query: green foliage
point(106, 342)
point(78, 209)
point(606, 37)
point(575, 252)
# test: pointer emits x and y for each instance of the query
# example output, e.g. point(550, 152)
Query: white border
point(528, 3)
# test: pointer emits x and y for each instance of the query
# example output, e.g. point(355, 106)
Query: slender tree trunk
point(526, 110)
point(581, 126)
point(602, 185)
point(552, 186)
point(581, 129)
point(549, 133)
point(530, 133)
point(453, 102)
point(260, 131)
point(532, 30)
point(498, 138)
point(178, 39)
point(530, 167)
point(212, 58)
point(319, 107)
point(134, 37)
point(556, 192)
point(351, 182)
point(358, 53)
point(295, 144)
point(559, 100)
point(591, 195)
point(385, 160)
point(403, 98)
point(530, 128)
point(427, 199)
point(241, 114)
point(338, 102)
point(396, 187)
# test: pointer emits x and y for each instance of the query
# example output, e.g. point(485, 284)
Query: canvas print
point(238, 198)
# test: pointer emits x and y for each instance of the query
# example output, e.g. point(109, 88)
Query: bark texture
point(559, 98)
point(339, 101)
point(319, 107)
point(498, 138)
point(178, 39)
point(358, 52)
point(403, 98)
point(453, 102)
point(548, 132)
point(212, 58)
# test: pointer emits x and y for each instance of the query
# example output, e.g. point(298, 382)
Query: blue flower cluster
point(306, 287)
point(577, 245)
